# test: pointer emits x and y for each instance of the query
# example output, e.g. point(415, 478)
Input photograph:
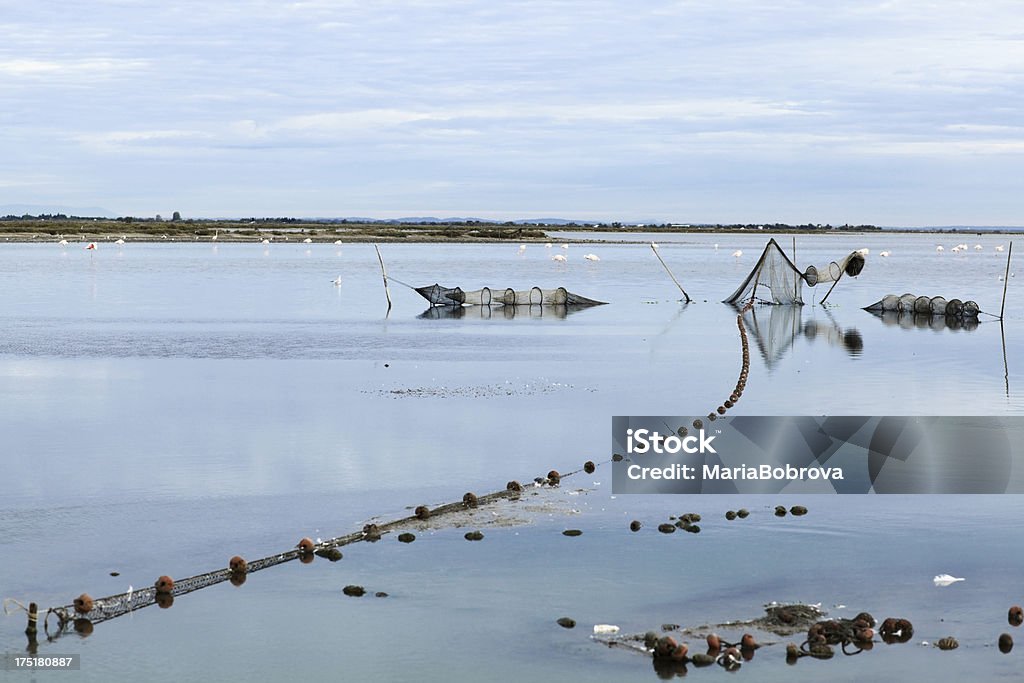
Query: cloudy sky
point(893, 113)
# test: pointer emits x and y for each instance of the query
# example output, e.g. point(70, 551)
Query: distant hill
point(53, 209)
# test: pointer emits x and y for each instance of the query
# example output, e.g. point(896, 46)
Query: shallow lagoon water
point(169, 405)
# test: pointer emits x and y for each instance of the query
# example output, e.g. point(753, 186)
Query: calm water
point(167, 406)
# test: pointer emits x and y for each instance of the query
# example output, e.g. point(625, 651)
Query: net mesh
point(925, 305)
point(773, 280)
point(439, 295)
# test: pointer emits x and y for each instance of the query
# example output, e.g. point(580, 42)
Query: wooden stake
point(30, 630)
point(384, 274)
point(796, 276)
point(1006, 280)
point(655, 250)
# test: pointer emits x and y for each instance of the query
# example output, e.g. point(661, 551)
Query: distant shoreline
point(53, 229)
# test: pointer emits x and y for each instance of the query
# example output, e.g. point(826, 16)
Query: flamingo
point(654, 245)
point(337, 281)
point(548, 245)
point(91, 246)
point(737, 253)
point(716, 246)
point(999, 248)
point(265, 241)
point(63, 243)
point(977, 247)
point(337, 241)
point(592, 257)
point(956, 249)
point(120, 241)
point(565, 246)
point(307, 241)
point(883, 254)
point(940, 248)
point(522, 248)
point(559, 257)
point(216, 233)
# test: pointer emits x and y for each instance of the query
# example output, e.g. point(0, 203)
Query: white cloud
point(77, 68)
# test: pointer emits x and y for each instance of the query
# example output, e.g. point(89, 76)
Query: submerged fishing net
point(439, 295)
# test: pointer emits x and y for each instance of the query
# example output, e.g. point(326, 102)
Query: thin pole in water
point(1006, 280)
point(796, 276)
point(384, 274)
point(1006, 367)
point(655, 250)
point(832, 287)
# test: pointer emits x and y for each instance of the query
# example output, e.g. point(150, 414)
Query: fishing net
point(439, 295)
point(852, 265)
point(774, 279)
point(926, 306)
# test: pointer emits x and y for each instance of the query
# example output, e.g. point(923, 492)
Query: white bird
point(337, 241)
point(120, 241)
point(956, 249)
point(945, 580)
point(265, 241)
point(91, 246)
point(654, 245)
point(337, 281)
point(548, 245)
point(307, 241)
point(883, 253)
point(522, 247)
point(737, 253)
point(565, 246)
point(63, 243)
point(940, 248)
point(559, 257)
point(215, 234)
point(592, 257)
point(963, 246)
point(977, 247)
point(716, 246)
point(999, 248)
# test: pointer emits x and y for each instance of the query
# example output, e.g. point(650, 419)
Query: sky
point(889, 113)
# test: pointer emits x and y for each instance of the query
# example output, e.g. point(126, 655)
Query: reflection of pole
point(384, 274)
point(655, 250)
point(1006, 368)
point(1006, 280)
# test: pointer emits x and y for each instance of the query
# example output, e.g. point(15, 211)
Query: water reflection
point(776, 328)
point(925, 321)
point(559, 311)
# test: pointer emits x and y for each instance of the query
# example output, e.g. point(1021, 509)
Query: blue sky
point(893, 113)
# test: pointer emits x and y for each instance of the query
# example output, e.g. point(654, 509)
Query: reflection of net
point(439, 295)
point(926, 321)
point(500, 312)
point(773, 280)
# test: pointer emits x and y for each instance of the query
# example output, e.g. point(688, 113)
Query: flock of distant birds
point(562, 258)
